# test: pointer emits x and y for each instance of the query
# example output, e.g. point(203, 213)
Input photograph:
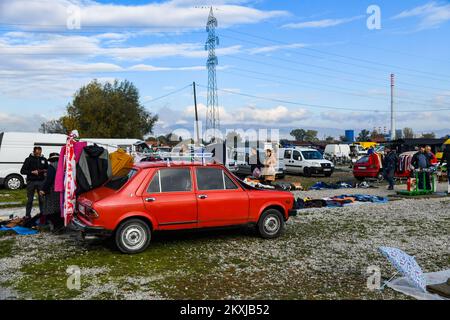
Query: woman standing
point(269, 166)
point(52, 208)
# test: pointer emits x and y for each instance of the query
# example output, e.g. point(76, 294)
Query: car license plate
point(327, 169)
point(362, 168)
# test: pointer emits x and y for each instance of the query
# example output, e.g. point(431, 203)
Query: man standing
point(421, 161)
point(432, 158)
point(35, 168)
point(389, 165)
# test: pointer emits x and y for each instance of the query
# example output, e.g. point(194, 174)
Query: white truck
point(15, 147)
point(306, 161)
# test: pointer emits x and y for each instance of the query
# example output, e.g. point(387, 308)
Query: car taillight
point(91, 213)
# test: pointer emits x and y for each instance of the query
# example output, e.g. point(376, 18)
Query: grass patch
point(7, 196)
point(6, 248)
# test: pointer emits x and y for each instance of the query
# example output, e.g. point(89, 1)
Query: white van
point(15, 147)
point(306, 161)
point(337, 150)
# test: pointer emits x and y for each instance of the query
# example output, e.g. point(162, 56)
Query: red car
point(368, 167)
point(173, 196)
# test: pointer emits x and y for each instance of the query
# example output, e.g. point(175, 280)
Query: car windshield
point(119, 182)
point(312, 155)
point(363, 160)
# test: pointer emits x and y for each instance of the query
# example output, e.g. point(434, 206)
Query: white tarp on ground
point(404, 286)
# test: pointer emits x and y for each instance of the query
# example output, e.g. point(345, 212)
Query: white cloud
point(252, 115)
point(324, 23)
point(268, 49)
point(168, 15)
point(17, 122)
point(431, 15)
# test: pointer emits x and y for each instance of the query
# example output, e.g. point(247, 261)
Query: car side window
point(297, 156)
point(155, 186)
point(213, 179)
point(229, 184)
point(287, 154)
point(171, 180)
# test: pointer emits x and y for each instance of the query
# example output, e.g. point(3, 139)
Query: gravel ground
point(324, 254)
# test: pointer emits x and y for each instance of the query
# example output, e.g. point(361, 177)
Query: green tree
point(110, 110)
point(304, 135)
point(408, 133)
point(342, 138)
point(364, 135)
point(329, 139)
point(430, 135)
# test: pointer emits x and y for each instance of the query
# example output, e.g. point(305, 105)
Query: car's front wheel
point(133, 236)
point(271, 224)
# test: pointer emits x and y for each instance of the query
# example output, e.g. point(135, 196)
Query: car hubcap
point(134, 237)
point(14, 183)
point(271, 225)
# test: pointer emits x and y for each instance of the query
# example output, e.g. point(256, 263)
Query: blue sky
point(312, 64)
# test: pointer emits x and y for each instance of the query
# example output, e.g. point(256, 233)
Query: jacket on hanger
point(93, 169)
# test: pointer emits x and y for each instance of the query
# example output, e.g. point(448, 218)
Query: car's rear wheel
point(271, 224)
point(14, 182)
point(133, 236)
point(328, 174)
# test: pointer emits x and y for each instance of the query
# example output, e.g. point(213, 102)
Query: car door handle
point(202, 196)
point(150, 199)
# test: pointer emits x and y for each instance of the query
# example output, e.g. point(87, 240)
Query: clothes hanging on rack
point(94, 168)
point(121, 163)
point(78, 147)
point(70, 174)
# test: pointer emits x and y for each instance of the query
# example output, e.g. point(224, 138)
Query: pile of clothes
point(285, 186)
point(338, 201)
point(340, 185)
point(22, 226)
point(337, 185)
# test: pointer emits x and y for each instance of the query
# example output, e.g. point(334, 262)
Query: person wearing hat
point(52, 206)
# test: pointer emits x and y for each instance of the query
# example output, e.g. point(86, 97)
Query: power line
point(310, 72)
point(166, 95)
point(338, 55)
point(336, 70)
point(298, 83)
point(313, 105)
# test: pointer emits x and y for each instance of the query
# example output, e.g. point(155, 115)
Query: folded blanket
point(19, 230)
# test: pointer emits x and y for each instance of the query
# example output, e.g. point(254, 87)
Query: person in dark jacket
point(52, 208)
point(34, 167)
point(389, 165)
point(420, 161)
point(446, 159)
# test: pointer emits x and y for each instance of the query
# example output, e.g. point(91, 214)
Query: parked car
point(306, 161)
point(15, 147)
point(173, 196)
point(337, 150)
point(368, 167)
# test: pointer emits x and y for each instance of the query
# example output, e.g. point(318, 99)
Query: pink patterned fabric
point(70, 167)
point(59, 179)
